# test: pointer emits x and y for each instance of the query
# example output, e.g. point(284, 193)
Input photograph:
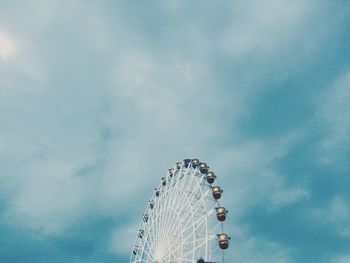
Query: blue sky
point(99, 98)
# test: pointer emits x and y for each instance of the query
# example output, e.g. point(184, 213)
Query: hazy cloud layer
point(98, 100)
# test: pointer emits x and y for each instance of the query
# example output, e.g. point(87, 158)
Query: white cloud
point(169, 107)
point(285, 196)
point(337, 211)
point(261, 27)
point(334, 113)
point(47, 197)
point(162, 107)
point(122, 247)
point(342, 259)
point(340, 209)
point(251, 249)
point(274, 39)
point(336, 214)
point(251, 176)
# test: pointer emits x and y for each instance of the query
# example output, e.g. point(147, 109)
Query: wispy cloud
point(335, 113)
point(101, 99)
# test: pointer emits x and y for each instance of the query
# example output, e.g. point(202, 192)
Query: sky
point(99, 98)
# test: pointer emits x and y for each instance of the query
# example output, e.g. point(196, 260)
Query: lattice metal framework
point(183, 221)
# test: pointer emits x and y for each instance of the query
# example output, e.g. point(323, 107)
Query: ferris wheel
point(183, 221)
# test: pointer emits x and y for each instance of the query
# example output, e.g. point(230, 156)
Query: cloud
point(262, 26)
point(342, 259)
point(118, 247)
point(103, 99)
point(48, 198)
point(335, 113)
point(247, 248)
point(335, 214)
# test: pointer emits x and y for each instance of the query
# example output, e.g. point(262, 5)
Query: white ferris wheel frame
point(182, 225)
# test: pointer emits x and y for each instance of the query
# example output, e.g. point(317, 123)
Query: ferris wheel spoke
point(164, 197)
point(176, 194)
point(160, 215)
point(178, 211)
point(171, 219)
point(183, 200)
point(188, 217)
point(183, 259)
point(176, 254)
point(200, 203)
point(168, 217)
point(198, 221)
point(190, 233)
point(186, 203)
point(185, 227)
point(151, 237)
point(191, 195)
point(201, 242)
point(182, 181)
point(148, 249)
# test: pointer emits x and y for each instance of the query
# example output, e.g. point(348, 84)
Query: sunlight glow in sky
point(7, 46)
